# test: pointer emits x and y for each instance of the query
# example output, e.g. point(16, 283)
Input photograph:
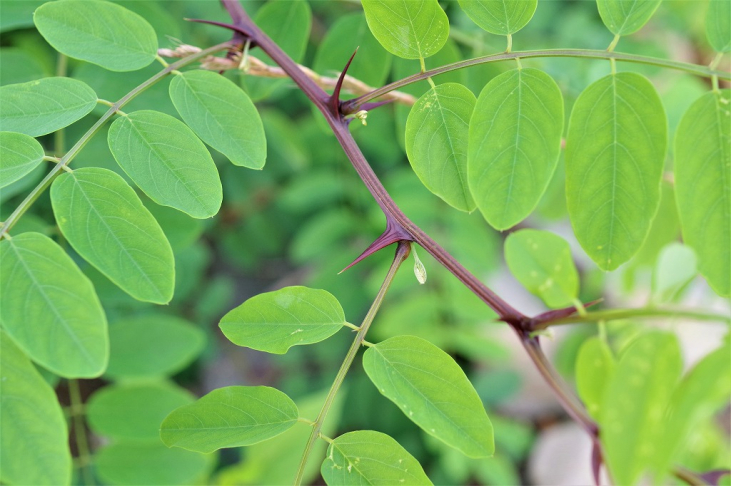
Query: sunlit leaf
point(676, 266)
point(372, 63)
point(594, 369)
point(500, 17)
point(514, 143)
point(275, 321)
point(718, 25)
point(50, 308)
point(152, 345)
point(635, 400)
point(615, 152)
point(106, 223)
point(33, 434)
point(436, 142)
point(232, 416)
point(703, 392)
point(703, 185)
point(99, 32)
point(147, 462)
point(167, 161)
point(221, 115)
point(624, 17)
point(44, 106)
point(411, 29)
point(542, 262)
point(368, 457)
point(431, 390)
point(19, 155)
point(134, 411)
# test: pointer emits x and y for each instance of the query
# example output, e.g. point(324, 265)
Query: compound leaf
point(350, 32)
point(411, 29)
point(134, 410)
point(501, 17)
point(44, 106)
point(232, 416)
point(149, 462)
point(624, 17)
point(432, 391)
point(615, 152)
point(19, 155)
point(106, 223)
point(514, 144)
point(222, 115)
point(33, 435)
point(98, 32)
point(275, 321)
point(703, 185)
point(542, 262)
point(436, 142)
point(594, 369)
point(152, 345)
point(167, 161)
point(50, 308)
point(718, 25)
point(368, 457)
point(632, 415)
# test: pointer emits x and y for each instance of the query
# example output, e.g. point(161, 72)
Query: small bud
point(362, 115)
point(419, 269)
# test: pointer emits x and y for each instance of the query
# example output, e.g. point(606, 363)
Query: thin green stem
point(352, 326)
point(696, 69)
point(82, 445)
point(69, 156)
point(423, 69)
point(613, 44)
point(401, 253)
point(644, 313)
point(510, 43)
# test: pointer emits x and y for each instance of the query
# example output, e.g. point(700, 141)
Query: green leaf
point(33, 435)
point(635, 400)
point(134, 411)
point(623, 17)
point(222, 115)
point(676, 266)
point(17, 65)
point(18, 14)
point(432, 391)
point(232, 416)
point(106, 223)
point(44, 106)
point(542, 263)
point(615, 151)
point(436, 142)
point(718, 25)
point(501, 17)
point(411, 29)
point(152, 345)
point(98, 32)
point(288, 24)
point(50, 308)
point(702, 393)
point(19, 155)
point(147, 463)
point(368, 457)
point(167, 161)
point(514, 144)
point(594, 369)
point(703, 185)
point(350, 32)
point(276, 321)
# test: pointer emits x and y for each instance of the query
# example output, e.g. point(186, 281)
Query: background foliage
point(135, 273)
